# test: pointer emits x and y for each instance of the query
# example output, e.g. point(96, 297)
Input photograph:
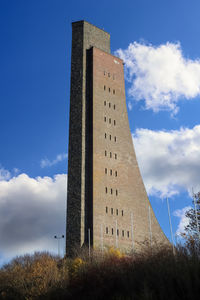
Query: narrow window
point(106, 190)
point(110, 120)
point(117, 231)
point(105, 135)
point(116, 192)
point(114, 92)
point(110, 137)
point(115, 138)
point(115, 155)
point(114, 122)
point(104, 87)
point(110, 172)
point(111, 211)
point(109, 104)
point(111, 191)
point(112, 231)
point(122, 213)
point(114, 106)
point(110, 154)
point(109, 90)
point(104, 72)
point(105, 153)
point(105, 170)
point(106, 230)
point(115, 173)
point(108, 74)
point(104, 119)
point(122, 232)
point(104, 103)
point(106, 209)
point(117, 212)
point(128, 234)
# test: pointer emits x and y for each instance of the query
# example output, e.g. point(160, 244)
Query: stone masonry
point(106, 195)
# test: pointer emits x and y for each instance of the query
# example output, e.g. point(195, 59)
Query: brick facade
point(106, 193)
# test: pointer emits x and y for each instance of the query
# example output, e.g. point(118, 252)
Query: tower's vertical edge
point(79, 213)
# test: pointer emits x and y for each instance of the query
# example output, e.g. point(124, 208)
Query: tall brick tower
point(107, 204)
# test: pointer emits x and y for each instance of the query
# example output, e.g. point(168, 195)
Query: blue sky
point(160, 46)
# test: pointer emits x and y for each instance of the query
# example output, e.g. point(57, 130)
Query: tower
point(107, 204)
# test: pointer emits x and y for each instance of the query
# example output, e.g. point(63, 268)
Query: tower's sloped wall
point(122, 214)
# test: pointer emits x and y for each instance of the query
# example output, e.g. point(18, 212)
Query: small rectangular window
point(122, 232)
point(105, 170)
point(117, 231)
point(105, 135)
point(110, 137)
point(111, 211)
point(128, 234)
point(109, 90)
point(104, 119)
point(109, 104)
point(105, 153)
point(115, 138)
point(104, 87)
point(117, 212)
point(111, 191)
point(104, 103)
point(106, 209)
point(114, 92)
point(114, 122)
point(112, 231)
point(110, 172)
point(110, 154)
point(106, 190)
point(110, 120)
point(115, 173)
point(115, 155)
point(114, 106)
point(106, 230)
point(116, 192)
point(122, 213)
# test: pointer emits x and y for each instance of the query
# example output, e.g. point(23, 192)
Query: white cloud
point(32, 211)
point(169, 160)
point(130, 106)
point(49, 163)
point(16, 171)
point(160, 75)
point(183, 220)
point(4, 174)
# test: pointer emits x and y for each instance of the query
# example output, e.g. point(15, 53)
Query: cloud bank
point(49, 163)
point(169, 160)
point(160, 75)
point(32, 211)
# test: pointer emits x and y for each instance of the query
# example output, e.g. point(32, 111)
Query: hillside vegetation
point(154, 274)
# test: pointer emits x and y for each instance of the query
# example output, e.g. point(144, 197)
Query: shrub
point(153, 274)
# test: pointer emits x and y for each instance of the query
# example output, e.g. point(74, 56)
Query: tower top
point(82, 22)
point(85, 36)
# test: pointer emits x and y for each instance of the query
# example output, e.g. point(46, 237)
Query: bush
point(156, 274)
